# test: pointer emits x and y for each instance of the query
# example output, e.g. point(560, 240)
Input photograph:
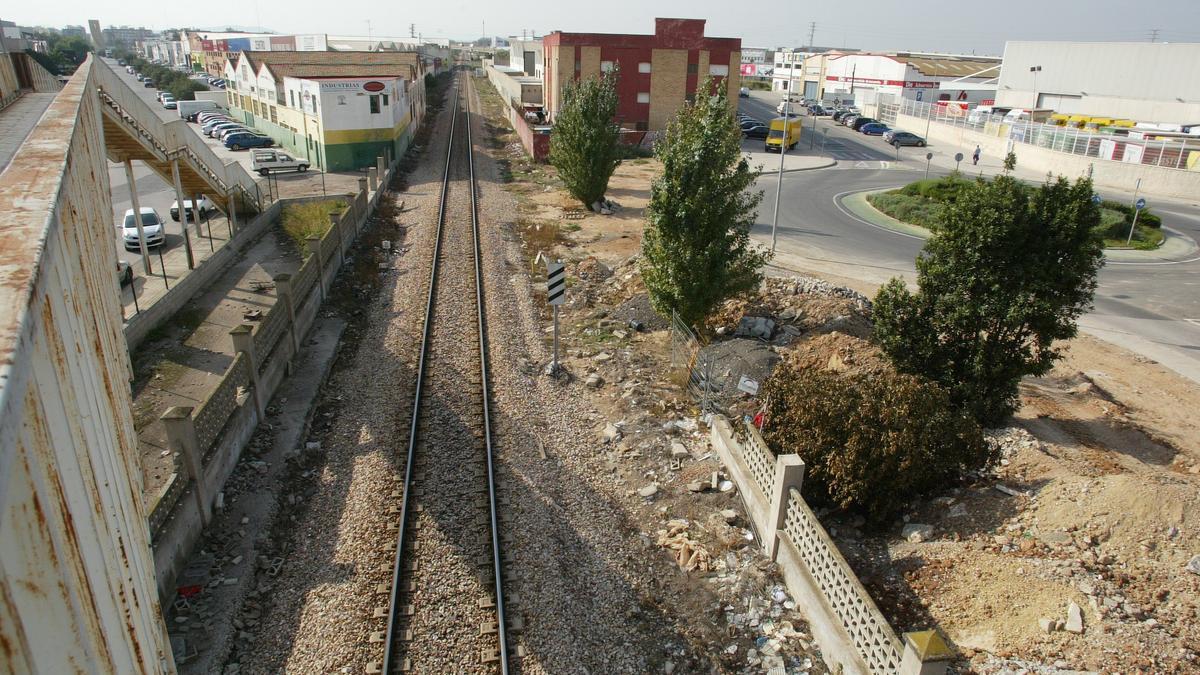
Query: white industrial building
point(868, 77)
point(1139, 81)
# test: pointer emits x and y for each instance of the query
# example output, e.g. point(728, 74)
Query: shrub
point(1147, 218)
point(907, 208)
point(870, 443)
point(308, 219)
point(583, 145)
point(1005, 276)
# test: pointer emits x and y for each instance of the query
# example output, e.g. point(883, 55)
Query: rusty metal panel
point(77, 589)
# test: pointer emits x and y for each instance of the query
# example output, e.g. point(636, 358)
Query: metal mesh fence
point(1136, 146)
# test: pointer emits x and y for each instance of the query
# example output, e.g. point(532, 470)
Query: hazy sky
point(944, 25)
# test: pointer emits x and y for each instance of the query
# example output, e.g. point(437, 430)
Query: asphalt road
point(1151, 308)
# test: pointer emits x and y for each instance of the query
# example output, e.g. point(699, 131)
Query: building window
point(273, 117)
point(643, 67)
point(719, 71)
point(606, 66)
point(374, 99)
point(292, 97)
point(385, 100)
point(692, 67)
point(643, 97)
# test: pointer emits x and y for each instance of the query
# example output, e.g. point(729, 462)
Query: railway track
point(446, 607)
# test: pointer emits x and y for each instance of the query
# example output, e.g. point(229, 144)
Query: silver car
point(152, 225)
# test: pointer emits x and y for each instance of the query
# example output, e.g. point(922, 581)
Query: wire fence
point(1134, 146)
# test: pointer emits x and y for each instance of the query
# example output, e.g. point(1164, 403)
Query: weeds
point(309, 219)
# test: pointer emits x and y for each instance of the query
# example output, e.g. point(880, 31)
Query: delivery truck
point(785, 131)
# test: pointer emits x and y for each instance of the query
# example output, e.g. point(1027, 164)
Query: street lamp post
point(787, 107)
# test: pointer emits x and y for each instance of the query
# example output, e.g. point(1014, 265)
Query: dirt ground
point(1096, 501)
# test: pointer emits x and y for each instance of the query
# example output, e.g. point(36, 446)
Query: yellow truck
point(785, 130)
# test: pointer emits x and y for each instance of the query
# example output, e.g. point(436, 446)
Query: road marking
point(837, 202)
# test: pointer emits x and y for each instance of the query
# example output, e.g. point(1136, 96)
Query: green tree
point(583, 145)
point(696, 249)
point(1007, 273)
point(870, 443)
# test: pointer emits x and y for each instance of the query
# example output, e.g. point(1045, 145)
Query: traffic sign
point(1140, 203)
point(556, 283)
point(929, 155)
point(958, 156)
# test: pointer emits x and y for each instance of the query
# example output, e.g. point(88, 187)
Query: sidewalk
point(194, 350)
point(150, 288)
point(17, 120)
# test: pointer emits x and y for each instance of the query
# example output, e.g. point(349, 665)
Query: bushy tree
point(696, 249)
point(870, 443)
point(1007, 273)
point(583, 144)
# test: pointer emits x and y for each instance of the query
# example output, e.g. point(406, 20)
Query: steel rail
point(397, 571)
point(501, 626)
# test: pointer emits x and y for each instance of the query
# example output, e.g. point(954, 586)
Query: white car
point(268, 161)
point(152, 225)
point(204, 205)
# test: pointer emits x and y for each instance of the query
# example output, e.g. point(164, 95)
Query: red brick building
point(658, 73)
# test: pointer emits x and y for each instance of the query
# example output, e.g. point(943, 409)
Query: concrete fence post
point(362, 186)
point(335, 222)
point(381, 167)
point(925, 653)
point(789, 473)
point(314, 250)
point(283, 289)
point(181, 437)
point(373, 179)
point(233, 223)
point(243, 341)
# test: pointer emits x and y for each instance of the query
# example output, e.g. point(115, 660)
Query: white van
point(268, 161)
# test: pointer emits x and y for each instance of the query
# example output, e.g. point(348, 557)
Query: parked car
point(215, 130)
point(240, 129)
point(848, 119)
point(121, 62)
point(124, 273)
point(759, 131)
point(793, 108)
point(248, 139)
point(139, 77)
point(743, 93)
point(816, 110)
point(207, 123)
point(899, 138)
point(170, 105)
point(858, 122)
point(147, 82)
point(158, 95)
point(746, 124)
point(152, 225)
point(270, 161)
point(205, 116)
point(204, 205)
point(873, 128)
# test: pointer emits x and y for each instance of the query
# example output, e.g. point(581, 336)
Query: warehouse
point(658, 73)
point(1140, 81)
point(867, 77)
point(339, 110)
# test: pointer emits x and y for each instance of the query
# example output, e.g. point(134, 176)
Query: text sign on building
point(556, 283)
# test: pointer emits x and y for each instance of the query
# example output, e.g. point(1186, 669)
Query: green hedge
point(1148, 219)
point(907, 208)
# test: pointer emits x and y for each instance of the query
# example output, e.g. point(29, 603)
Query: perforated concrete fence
point(853, 634)
point(870, 633)
point(212, 414)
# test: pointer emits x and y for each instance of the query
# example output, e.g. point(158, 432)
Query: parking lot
point(158, 194)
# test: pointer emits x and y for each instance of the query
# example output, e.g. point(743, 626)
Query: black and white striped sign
point(556, 283)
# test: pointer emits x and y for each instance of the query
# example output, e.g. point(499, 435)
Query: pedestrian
point(975, 157)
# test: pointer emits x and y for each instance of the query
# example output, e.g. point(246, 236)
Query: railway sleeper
point(492, 654)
